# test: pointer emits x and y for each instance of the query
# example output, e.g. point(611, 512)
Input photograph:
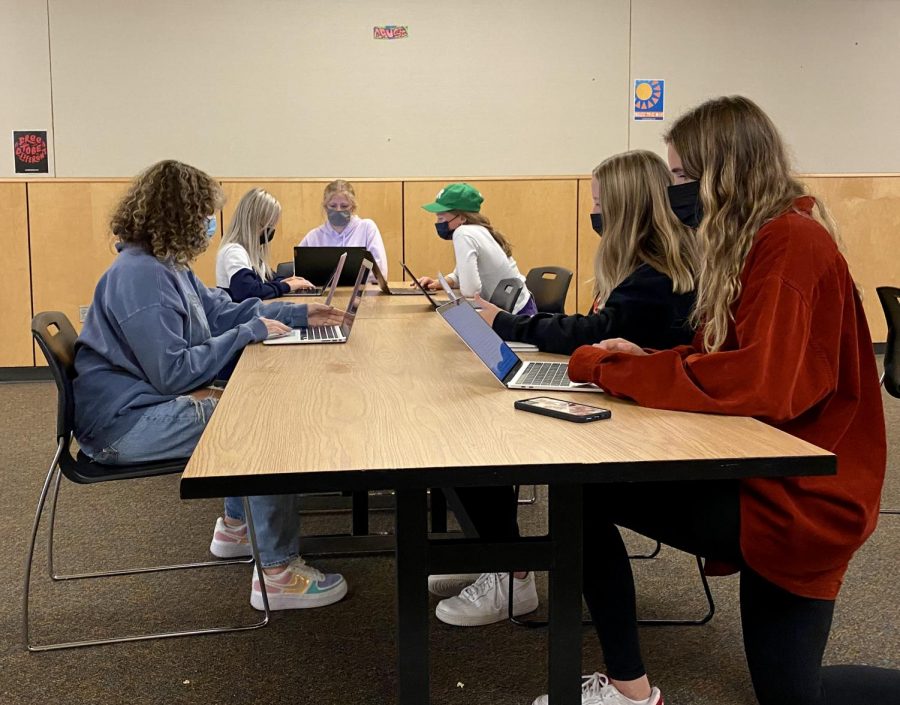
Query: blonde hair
point(639, 226)
point(257, 210)
point(732, 147)
point(340, 186)
point(475, 218)
point(165, 211)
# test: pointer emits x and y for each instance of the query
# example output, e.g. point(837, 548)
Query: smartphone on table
point(562, 409)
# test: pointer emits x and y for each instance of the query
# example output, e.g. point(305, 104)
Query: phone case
point(523, 405)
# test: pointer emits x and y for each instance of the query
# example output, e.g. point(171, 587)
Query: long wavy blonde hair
point(732, 147)
point(639, 226)
point(258, 209)
point(165, 211)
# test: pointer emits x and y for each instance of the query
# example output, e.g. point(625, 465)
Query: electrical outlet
point(83, 312)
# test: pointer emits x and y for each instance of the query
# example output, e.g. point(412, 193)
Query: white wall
point(527, 87)
point(824, 70)
point(24, 76)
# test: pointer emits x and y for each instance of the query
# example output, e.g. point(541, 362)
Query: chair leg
point(711, 610)
point(124, 571)
point(254, 548)
point(529, 500)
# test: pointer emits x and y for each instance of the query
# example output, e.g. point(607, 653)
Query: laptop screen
point(480, 337)
point(365, 268)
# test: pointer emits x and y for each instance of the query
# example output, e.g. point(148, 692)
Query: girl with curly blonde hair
point(154, 340)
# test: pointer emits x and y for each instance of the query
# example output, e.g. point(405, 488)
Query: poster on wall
point(31, 152)
point(649, 99)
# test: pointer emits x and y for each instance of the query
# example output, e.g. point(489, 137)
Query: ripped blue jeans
point(172, 430)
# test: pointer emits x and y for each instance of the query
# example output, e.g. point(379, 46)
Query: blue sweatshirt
point(155, 332)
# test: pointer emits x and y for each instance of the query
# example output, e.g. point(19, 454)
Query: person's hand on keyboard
point(298, 283)
point(276, 329)
point(322, 315)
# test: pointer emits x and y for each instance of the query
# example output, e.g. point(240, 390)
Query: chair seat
point(86, 471)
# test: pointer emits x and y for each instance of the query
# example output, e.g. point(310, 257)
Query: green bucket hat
point(456, 197)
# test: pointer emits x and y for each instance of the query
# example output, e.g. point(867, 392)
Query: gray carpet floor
point(344, 653)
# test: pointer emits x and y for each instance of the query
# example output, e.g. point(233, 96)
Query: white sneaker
point(450, 584)
point(298, 586)
point(230, 541)
point(597, 690)
point(487, 601)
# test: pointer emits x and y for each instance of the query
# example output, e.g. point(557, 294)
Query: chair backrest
point(507, 293)
point(56, 337)
point(890, 302)
point(284, 269)
point(549, 286)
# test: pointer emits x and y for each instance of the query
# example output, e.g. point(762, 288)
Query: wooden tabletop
point(405, 403)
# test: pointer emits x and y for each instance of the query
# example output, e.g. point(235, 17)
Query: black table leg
point(438, 511)
point(411, 531)
point(565, 511)
point(360, 509)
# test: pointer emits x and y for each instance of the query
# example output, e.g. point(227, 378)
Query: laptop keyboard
point(545, 374)
point(320, 333)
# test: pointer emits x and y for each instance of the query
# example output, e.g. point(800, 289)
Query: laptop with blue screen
point(498, 357)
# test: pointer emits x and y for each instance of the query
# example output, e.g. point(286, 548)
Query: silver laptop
point(330, 334)
point(499, 358)
point(330, 286)
point(435, 303)
point(386, 289)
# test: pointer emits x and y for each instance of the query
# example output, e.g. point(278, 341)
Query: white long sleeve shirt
point(481, 264)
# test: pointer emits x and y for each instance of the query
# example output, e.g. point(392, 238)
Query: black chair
point(890, 378)
point(56, 338)
point(549, 286)
point(284, 269)
point(507, 293)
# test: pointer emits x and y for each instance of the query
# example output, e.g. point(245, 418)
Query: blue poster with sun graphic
point(649, 97)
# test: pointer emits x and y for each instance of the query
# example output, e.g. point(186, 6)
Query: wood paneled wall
point(56, 241)
point(16, 349)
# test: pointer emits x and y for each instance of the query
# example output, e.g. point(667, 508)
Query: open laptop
point(330, 334)
point(435, 303)
point(499, 358)
point(385, 289)
point(317, 263)
point(330, 286)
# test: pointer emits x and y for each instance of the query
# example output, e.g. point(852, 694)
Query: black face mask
point(443, 230)
point(266, 236)
point(597, 223)
point(685, 202)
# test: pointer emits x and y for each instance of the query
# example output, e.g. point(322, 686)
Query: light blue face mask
point(210, 225)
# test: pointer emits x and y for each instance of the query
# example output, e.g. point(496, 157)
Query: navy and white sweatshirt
point(236, 276)
point(642, 309)
point(155, 332)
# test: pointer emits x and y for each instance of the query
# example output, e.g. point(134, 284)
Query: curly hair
point(165, 212)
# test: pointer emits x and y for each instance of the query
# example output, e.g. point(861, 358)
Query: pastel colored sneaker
point(597, 690)
point(298, 586)
point(230, 541)
point(450, 584)
point(487, 601)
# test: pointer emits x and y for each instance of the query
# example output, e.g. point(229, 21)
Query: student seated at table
point(643, 269)
point(483, 254)
point(152, 342)
point(783, 339)
point(242, 263)
point(343, 228)
point(644, 280)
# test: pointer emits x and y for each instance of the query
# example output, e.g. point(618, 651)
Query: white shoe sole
point(450, 586)
point(226, 549)
point(280, 602)
point(481, 620)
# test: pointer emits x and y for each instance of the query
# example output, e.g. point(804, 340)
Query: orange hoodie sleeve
point(772, 371)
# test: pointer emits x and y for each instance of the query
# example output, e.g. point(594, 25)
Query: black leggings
point(784, 634)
